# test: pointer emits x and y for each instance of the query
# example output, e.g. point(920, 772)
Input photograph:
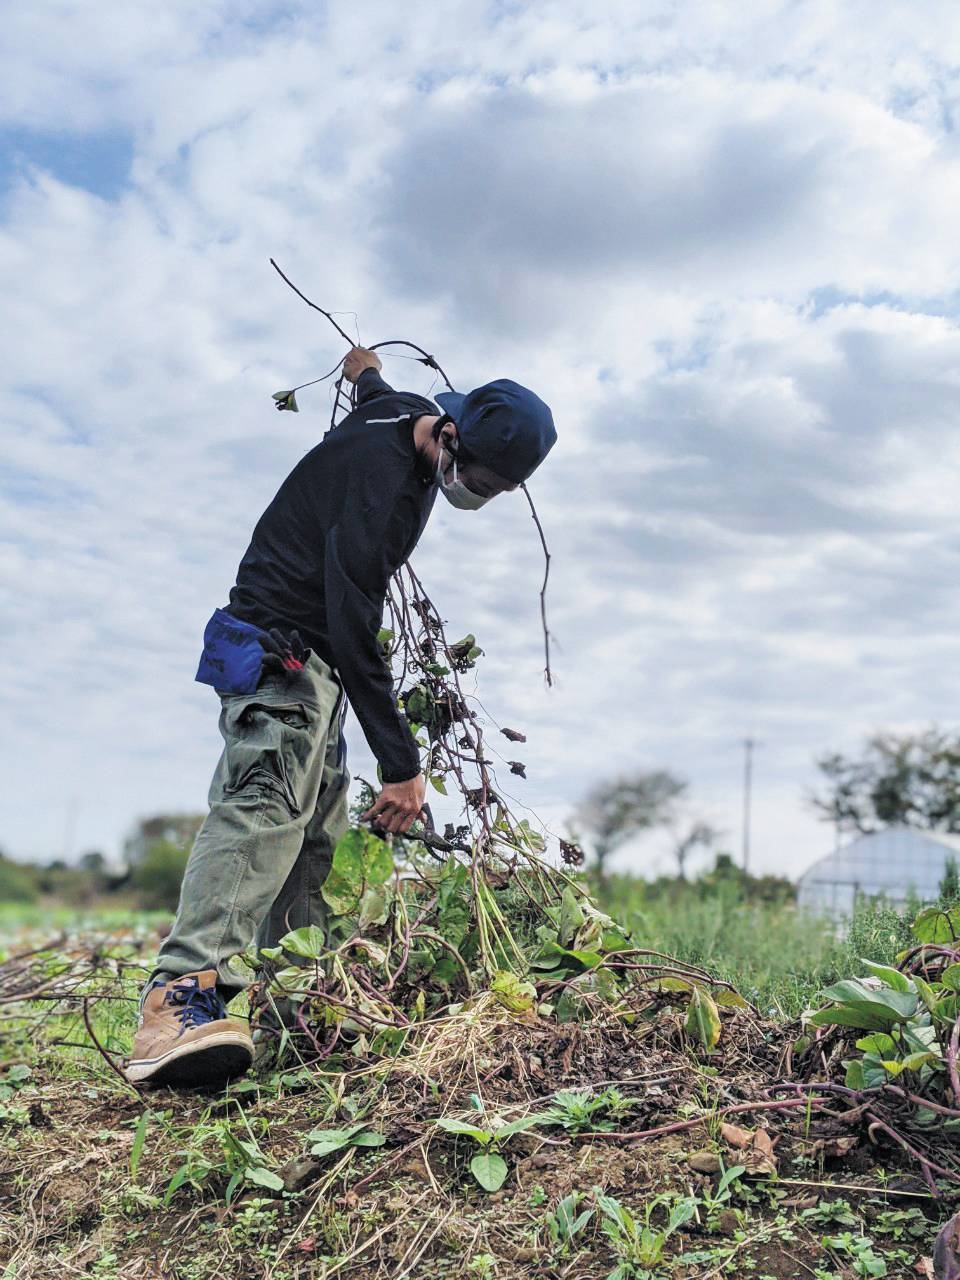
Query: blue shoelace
point(195, 1007)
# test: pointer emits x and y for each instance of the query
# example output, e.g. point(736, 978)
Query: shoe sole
point(211, 1061)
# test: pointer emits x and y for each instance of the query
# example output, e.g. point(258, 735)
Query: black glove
point(281, 655)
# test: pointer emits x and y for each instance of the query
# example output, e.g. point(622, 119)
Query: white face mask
point(456, 492)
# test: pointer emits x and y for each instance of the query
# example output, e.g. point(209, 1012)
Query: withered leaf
point(571, 853)
point(734, 1136)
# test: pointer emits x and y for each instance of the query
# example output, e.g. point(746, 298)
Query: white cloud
point(720, 242)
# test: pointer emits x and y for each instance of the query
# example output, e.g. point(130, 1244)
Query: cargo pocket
point(271, 748)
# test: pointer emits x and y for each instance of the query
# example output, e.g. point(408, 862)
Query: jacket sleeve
point(370, 385)
point(357, 574)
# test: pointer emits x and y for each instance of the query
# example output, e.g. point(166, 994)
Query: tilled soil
point(75, 1200)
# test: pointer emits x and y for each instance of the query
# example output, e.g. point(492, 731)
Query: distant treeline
point(154, 856)
point(156, 853)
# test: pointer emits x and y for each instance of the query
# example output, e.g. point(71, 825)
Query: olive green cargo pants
point(278, 806)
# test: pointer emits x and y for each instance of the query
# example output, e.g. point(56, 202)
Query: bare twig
point(680, 1126)
point(85, 1005)
point(543, 589)
point(343, 333)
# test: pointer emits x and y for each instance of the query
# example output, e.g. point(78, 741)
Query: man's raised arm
point(362, 367)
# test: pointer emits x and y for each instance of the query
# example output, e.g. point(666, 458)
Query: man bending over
point(296, 642)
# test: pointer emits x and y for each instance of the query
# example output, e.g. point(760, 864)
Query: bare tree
point(616, 811)
point(175, 828)
point(689, 835)
point(897, 779)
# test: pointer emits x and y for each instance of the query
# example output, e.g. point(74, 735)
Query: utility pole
point(748, 746)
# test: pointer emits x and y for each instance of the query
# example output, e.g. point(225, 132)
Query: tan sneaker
point(185, 1037)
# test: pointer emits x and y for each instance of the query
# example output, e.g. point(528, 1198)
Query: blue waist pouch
point(232, 656)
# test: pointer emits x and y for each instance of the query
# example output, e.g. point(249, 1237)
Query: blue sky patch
point(97, 162)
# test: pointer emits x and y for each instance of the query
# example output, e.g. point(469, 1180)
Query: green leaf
point(613, 1210)
point(483, 1136)
point(368, 1138)
point(854, 1078)
point(328, 1145)
point(518, 1126)
point(703, 1019)
point(571, 916)
point(882, 1003)
point(512, 993)
point(552, 956)
point(681, 1211)
point(874, 1071)
point(892, 1067)
point(176, 1182)
point(927, 994)
point(671, 984)
point(914, 1061)
point(139, 1138)
point(612, 939)
point(879, 1043)
point(232, 1185)
point(730, 999)
point(265, 1178)
point(951, 977)
point(892, 977)
point(286, 400)
point(489, 1169)
point(287, 981)
point(308, 941)
point(569, 1006)
point(730, 1175)
point(437, 783)
point(360, 859)
point(838, 1016)
point(327, 1140)
point(934, 925)
point(374, 907)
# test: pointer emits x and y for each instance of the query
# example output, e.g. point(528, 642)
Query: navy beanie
point(503, 425)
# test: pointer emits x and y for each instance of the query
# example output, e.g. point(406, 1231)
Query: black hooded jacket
point(321, 557)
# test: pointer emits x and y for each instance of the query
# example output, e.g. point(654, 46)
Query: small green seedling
point(582, 1110)
point(831, 1213)
point(714, 1199)
point(489, 1167)
point(638, 1244)
point(564, 1223)
point(326, 1141)
point(859, 1249)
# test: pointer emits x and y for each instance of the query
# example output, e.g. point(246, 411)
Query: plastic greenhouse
point(893, 862)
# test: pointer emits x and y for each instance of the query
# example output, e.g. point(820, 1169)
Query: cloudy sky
point(721, 240)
